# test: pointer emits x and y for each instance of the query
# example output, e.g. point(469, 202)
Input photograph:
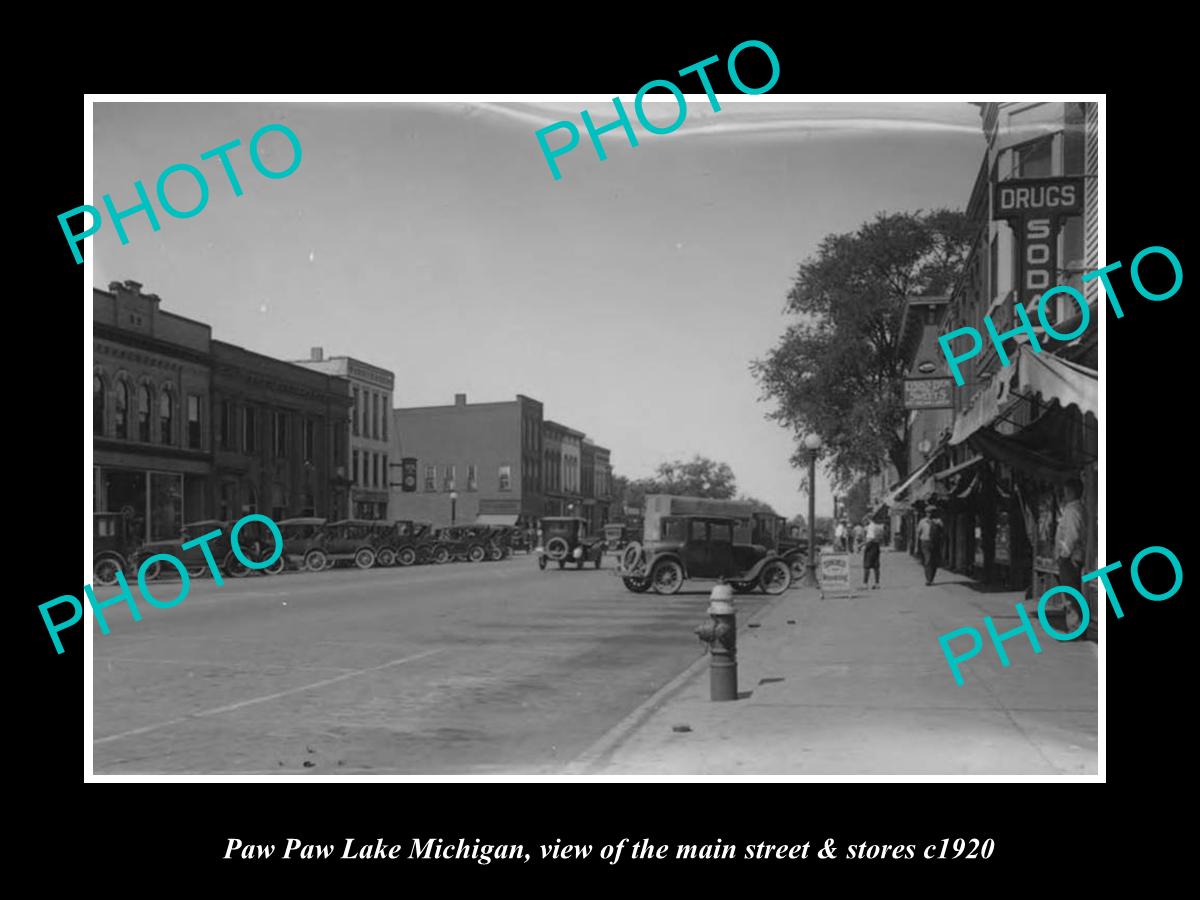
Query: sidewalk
point(860, 686)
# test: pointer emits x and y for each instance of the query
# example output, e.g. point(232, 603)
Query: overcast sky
point(431, 239)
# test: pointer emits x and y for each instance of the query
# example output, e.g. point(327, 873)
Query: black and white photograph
point(675, 438)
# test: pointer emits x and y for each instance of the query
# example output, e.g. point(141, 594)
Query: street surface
point(455, 669)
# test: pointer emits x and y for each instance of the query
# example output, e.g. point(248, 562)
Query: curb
point(608, 743)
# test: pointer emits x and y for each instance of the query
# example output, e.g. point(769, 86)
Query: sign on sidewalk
point(833, 572)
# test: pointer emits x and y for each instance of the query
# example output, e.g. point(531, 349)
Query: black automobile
point(702, 547)
point(113, 546)
point(565, 539)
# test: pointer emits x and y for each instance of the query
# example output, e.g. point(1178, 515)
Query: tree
point(857, 501)
point(758, 505)
point(838, 372)
point(698, 477)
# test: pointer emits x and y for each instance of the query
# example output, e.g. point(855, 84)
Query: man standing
point(929, 539)
point(874, 537)
point(839, 537)
point(1069, 545)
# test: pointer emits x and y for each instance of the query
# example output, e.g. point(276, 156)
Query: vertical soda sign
point(1034, 208)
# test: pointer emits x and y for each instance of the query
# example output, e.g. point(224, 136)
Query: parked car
point(348, 540)
point(500, 541)
point(463, 542)
point(299, 536)
point(771, 531)
point(402, 543)
point(567, 540)
point(254, 539)
point(691, 547)
point(113, 546)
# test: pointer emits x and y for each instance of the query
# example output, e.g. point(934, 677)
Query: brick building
point(468, 461)
point(280, 437)
point(152, 448)
point(370, 418)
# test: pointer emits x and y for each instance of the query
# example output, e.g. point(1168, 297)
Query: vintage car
point(348, 540)
point(462, 542)
point(403, 543)
point(691, 547)
point(299, 536)
point(771, 531)
point(500, 541)
point(113, 546)
point(254, 539)
point(565, 539)
point(615, 537)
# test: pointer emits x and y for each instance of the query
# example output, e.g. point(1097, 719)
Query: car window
point(672, 530)
point(698, 531)
point(721, 532)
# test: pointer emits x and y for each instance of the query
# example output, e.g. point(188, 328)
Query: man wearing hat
point(929, 539)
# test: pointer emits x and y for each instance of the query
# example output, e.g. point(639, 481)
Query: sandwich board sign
point(833, 573)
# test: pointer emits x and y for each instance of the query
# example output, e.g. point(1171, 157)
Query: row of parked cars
point(310, 543)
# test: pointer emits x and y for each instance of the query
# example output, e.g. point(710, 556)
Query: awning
point(1053, 448)
point(492, 519)
point(954, 470)
point(984, 409)
point(1058, 379)
point(891, 498)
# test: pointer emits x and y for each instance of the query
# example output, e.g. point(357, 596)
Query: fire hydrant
point(721, 636)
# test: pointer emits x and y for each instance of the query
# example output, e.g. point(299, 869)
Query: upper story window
point(472, 478)
point(448, 478)
point(354, 412)
point(1034, 159)
point(505, 477)
point(377, 407)
point(249, 429)
point(143, 413)
point(98, 397)
point(121, 410)
point(226, 425)
point(166, 416)
point(431, 478)
point(354, 455)
point(279, 431)
point(310, 439)
point(193, 421)
point(387, 414)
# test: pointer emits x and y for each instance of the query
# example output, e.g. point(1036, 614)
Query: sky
point(431, 239)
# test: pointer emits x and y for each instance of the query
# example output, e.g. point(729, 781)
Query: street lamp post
point(453, 506)
point(812, 443)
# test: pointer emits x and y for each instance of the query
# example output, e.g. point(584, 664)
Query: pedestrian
point(860, 534)
point(1069, 545)
point(873, 535)
point(929, 539)
point(839, 536)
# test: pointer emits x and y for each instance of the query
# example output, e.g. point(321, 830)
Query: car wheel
point(799, 567)
point(315, 560)
point(364, 558)
point(631, 558)
point(386, 557)
point(495, 554)
point(667, 576)
point(406, 556)
point(476, 553)
point(541, 562)
point(441, 555)
point(557, 548)
point(234, 567)
point(637, 585)
point(775, 578)
point(105, 569)
point(276, 567)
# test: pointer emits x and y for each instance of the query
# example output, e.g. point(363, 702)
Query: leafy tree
point(697, 477)
point(838, 371)
point(856, 502)
point(758, 505)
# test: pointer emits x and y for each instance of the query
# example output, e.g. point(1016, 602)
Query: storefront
point(156, 503)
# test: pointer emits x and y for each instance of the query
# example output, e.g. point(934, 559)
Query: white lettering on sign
point(1052, 196)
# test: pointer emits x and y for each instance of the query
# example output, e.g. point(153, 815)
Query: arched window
point(121, 416)
point(98, 395)
point(166, 416)
point(143, 413)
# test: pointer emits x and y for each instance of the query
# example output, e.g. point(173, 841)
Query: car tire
point(636, 585)
point(557, 548)
point(105, 569)
point(385, 557)
point(406, 556)
point(495, 554)
point(276, 567)
point(799, 567)
point(631, 556)
point(542, 563)
point(315, 560)
point(476, 553)
point(742, 587)
point(234, 567)
point(364, 557)
point(667, 576)
point(775, 577)
point(441, 555)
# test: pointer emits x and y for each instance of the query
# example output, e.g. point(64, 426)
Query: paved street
point(463, 668)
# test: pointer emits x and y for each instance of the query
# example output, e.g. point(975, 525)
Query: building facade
point(468, 462)
point(151, 412)
point(564, 455)
point(370, 444)
point(280, 439)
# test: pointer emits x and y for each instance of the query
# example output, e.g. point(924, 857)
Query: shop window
point(431, 478)
point(143, 413)
point(505, 477)
point(166, 506)
point(166, 416)
point(193, 407)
